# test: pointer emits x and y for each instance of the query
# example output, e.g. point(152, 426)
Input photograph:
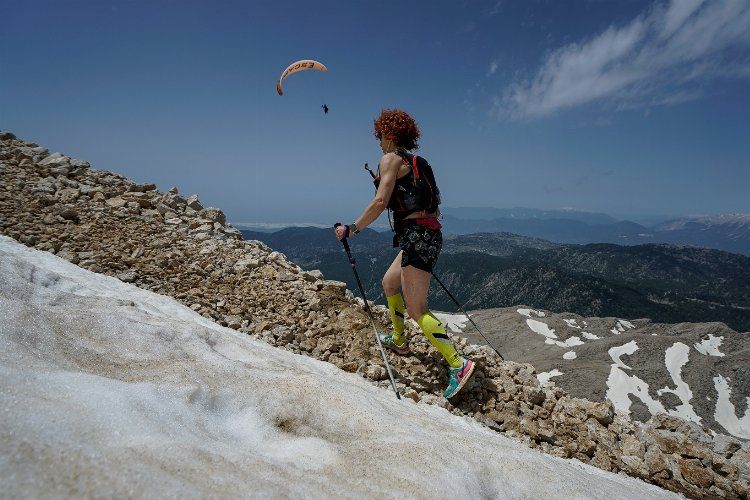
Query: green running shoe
point(388, 342)
point(458, 377)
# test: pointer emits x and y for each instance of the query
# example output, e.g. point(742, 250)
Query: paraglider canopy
point(302, 65)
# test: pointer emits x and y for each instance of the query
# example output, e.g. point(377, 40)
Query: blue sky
point(626, 107)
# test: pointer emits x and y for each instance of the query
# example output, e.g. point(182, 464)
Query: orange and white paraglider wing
point(303, 65)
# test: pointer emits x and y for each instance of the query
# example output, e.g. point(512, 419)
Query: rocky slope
point(172, 245)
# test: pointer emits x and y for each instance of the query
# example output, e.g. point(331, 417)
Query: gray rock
point(55, 159)
point(68, 213)
point(36, 153)
point(116, 202)
point(76, 163)
point(214, 215)
point(44, 186)
point(233, 322)
point(203, 228)
point(68, 195)
point(140, 198)
point(725, 445)
point(232, 232)
point(283, 333)
point(284, 277)
point(276, 257)
point(193, 203)
point(89, 190)
point(163, 209)
point(179, 201)
point(141, 188)
point(375, 372)
point(312, 276)
point(60, 170)
point(127, 276)
point(245, 264)
point(109, 180)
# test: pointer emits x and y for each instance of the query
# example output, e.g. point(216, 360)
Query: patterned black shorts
point(420, 245)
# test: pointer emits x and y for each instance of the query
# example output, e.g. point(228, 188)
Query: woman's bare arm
point(389, 165)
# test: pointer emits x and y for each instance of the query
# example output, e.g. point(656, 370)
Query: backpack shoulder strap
point(414, 166)
point(410, 158)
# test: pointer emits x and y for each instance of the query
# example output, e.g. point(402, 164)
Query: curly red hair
point(398, 126)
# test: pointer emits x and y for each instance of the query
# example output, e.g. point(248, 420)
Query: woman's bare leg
point(415, 284)
point(392, 277)
point(391, 287)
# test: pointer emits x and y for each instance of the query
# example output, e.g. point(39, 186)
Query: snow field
point(110, 390)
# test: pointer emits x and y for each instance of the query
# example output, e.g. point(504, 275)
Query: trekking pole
point(367, 167)
point(466, 314)
point(369, 312)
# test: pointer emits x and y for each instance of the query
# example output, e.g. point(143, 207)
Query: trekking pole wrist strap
point(353, 228)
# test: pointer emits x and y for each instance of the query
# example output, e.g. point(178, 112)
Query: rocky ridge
point(173, 245)
point(698, 371)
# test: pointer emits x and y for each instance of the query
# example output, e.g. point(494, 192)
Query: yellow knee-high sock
point(396, 308)
point(435, 333)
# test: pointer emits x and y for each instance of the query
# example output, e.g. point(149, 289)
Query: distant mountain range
point(666, 283)
point(490, 213)
point(722, 232)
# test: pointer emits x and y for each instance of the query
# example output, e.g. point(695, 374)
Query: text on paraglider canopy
point(308, 65)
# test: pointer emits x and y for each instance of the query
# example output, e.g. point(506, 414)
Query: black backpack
point(415, 193)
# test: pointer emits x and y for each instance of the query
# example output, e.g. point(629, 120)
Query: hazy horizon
point(382, 223)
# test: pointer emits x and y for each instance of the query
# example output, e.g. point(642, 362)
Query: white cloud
point(656, 59)
point(493, 67)
point(496, 8)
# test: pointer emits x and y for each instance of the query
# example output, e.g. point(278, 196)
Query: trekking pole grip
point(345, 243)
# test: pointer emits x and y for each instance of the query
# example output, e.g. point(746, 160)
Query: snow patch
point(590, 336)
point(541, 328)
point(710, 346)
point(725, 412)
point(545, 377)
point(621, 384)
point(570, 342)
point(530, 312)
point(570, 355)
point(617, 351)
point(621, 326)
point(675, 358)
point(571, 323)
point(454, 322)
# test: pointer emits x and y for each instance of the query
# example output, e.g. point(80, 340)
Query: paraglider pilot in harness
point(406, 186)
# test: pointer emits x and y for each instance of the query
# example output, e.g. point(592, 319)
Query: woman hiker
point(406, 186)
